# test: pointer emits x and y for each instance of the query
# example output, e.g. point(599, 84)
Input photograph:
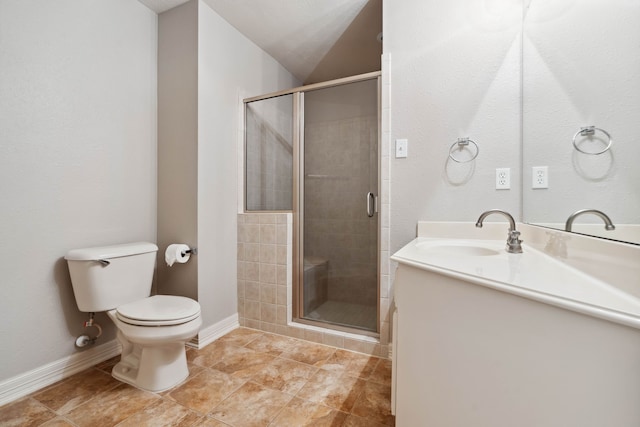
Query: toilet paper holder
point(178, 252)
point(192, 251)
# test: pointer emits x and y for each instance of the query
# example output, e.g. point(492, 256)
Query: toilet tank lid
point(113, 251)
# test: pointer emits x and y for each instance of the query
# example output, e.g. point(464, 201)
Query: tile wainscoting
point(265, 280)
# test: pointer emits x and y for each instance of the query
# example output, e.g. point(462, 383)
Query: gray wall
point(79, 149)
point(178, 145)
point(206, 68)
point(77, 159)
point(454, 72)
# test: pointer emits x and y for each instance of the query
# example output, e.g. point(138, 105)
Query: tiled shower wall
point(265, 277)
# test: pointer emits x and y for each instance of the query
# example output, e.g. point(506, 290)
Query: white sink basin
point(532, 274)
point(456, 248)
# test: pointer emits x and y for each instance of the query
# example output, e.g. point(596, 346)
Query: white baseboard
point(28, 382)
point(211, 333)
point(36, 379)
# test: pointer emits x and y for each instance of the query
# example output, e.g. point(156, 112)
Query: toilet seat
point(159, 310)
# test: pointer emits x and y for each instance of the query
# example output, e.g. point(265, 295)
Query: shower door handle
point(371, 204)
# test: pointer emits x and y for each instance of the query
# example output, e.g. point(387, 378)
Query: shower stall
point(314, 151)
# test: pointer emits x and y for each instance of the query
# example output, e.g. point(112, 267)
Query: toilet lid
point(159, 310)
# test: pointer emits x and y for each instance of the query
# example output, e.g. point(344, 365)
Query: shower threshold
point(350, 315)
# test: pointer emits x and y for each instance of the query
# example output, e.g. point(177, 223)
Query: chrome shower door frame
point(298, 205)
point(298, 197)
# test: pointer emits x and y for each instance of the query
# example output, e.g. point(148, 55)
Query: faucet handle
point(514, 243)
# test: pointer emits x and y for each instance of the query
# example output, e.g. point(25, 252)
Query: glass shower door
point(339, 216)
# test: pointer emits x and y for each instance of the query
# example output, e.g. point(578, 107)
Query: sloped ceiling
point(316, 40)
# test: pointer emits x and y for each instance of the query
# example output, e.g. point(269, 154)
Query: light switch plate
point(401, 148)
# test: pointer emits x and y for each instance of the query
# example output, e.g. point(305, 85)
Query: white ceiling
point(159, 6)
point(297, 33)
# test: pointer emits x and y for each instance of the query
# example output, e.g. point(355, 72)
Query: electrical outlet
point(503, 178)
point(540, 177)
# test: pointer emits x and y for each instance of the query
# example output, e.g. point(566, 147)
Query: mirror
point(581, 67)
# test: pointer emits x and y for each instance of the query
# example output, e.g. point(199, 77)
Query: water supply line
point(84, 340)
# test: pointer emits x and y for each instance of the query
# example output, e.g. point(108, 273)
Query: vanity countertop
point(594, 277)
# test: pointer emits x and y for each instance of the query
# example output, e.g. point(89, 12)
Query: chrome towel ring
point(460, 144)
point(590, 131)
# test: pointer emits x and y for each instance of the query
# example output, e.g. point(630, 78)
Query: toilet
point(152, 330)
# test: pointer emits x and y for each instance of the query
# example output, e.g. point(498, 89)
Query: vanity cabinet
point(469, 355)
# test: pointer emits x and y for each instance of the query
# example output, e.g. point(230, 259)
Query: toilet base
point(152, 368)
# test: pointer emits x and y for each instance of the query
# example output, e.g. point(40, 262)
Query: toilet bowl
point(152, 330)
point(153, 338)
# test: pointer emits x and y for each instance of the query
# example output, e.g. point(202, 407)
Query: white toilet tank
point(106, 277)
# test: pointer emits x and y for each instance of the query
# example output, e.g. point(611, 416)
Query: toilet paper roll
point(176, 252)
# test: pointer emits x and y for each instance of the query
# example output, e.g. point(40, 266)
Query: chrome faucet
point(608, 225)
point(513, 241)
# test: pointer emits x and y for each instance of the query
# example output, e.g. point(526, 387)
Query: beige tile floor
point(246, 378)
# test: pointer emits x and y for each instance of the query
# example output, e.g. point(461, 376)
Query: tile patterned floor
point(246, 378)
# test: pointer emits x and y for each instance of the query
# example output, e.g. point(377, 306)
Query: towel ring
point(589, 131)
point(461, 143)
